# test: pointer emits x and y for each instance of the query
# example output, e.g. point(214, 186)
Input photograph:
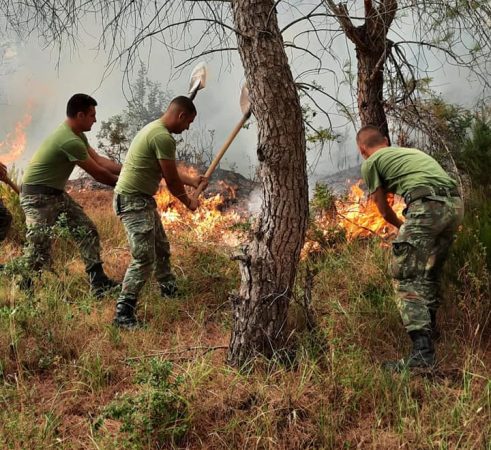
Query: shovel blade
point(197, 80)
point(245, 103)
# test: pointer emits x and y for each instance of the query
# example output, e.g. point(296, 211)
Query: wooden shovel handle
point(220, 153)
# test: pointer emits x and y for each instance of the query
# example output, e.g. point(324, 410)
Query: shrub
point(156, 414)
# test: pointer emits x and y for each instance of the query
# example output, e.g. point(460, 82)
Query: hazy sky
point(30, 76)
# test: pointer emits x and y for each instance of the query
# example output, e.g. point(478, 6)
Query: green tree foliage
point(475, 157)
point(146, 104)
point(113, 137)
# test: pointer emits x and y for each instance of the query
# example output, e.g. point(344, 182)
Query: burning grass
point(353, 217)
point(211, 222)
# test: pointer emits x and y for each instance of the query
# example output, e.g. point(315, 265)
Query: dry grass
point(62, 363)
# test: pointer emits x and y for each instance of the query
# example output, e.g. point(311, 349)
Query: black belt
point(424, 191)
point(33, 189)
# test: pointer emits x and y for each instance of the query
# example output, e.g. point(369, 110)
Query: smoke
point(255, 201)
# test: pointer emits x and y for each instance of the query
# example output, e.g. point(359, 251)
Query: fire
point(360, 217)
point(15, 142)
point(355, 217)
point(207, 223)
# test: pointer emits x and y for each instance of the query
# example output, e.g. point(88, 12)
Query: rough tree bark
point(372, 50)
point(269, 263)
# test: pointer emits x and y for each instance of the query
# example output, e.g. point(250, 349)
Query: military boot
point(435, 332)
point(421, 357)
point(125, 314)
point(100, 284)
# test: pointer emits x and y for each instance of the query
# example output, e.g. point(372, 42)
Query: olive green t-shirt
point(141, 173)
point(54, 161)
point(400, 170)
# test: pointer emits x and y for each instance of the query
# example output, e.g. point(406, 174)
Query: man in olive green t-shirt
point(44, 200)
point(150, 158)
point(433, 212)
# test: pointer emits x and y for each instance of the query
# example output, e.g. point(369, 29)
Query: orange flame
point(356, 215)
point(360, 217)
point(207, 223)
point(16, 140)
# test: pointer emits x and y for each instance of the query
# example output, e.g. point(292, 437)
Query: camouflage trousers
point(42, 212)
point(149, 246)
point(5, 221)
point(419, 253)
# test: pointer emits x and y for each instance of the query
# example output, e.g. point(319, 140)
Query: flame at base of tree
point(355, 217)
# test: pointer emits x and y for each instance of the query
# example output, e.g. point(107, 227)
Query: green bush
point(156, 414)
point(475, 157)
point(470, 259)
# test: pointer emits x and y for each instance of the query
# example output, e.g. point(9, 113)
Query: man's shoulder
point(64, 136)
point(157, 130)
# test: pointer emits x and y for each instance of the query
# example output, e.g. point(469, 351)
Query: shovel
point(197, 80)
point(245, 106)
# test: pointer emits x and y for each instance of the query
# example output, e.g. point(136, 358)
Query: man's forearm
point(391, 217)
point(104, 176)
point(107, 163)
point(178, 191)
point(110, 165)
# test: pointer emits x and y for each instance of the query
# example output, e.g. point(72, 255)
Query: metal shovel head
point(245, 103)
point(198, 77)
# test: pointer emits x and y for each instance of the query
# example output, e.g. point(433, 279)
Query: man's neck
point(376, 149)
point(166, 121)
point(73, 126)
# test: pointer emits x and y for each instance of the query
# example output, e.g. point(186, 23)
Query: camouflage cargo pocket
point(404, 260)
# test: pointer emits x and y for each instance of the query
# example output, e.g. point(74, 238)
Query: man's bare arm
point(380, 199)
point(100, 173)
point(175, 183)
point(107, 163)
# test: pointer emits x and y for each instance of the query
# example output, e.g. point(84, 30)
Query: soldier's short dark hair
point(184, 103)
point(79, 103)
point(370, 136)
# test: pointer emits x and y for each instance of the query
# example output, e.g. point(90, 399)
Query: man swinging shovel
point(150, 158)
point(245, 106)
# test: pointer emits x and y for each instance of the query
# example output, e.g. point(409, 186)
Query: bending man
point(433, 212)
point(43, 196)
point(151, 156)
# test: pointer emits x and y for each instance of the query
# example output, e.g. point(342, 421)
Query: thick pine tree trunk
point(371, 63)
point(269, 263)
point(372, 49)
